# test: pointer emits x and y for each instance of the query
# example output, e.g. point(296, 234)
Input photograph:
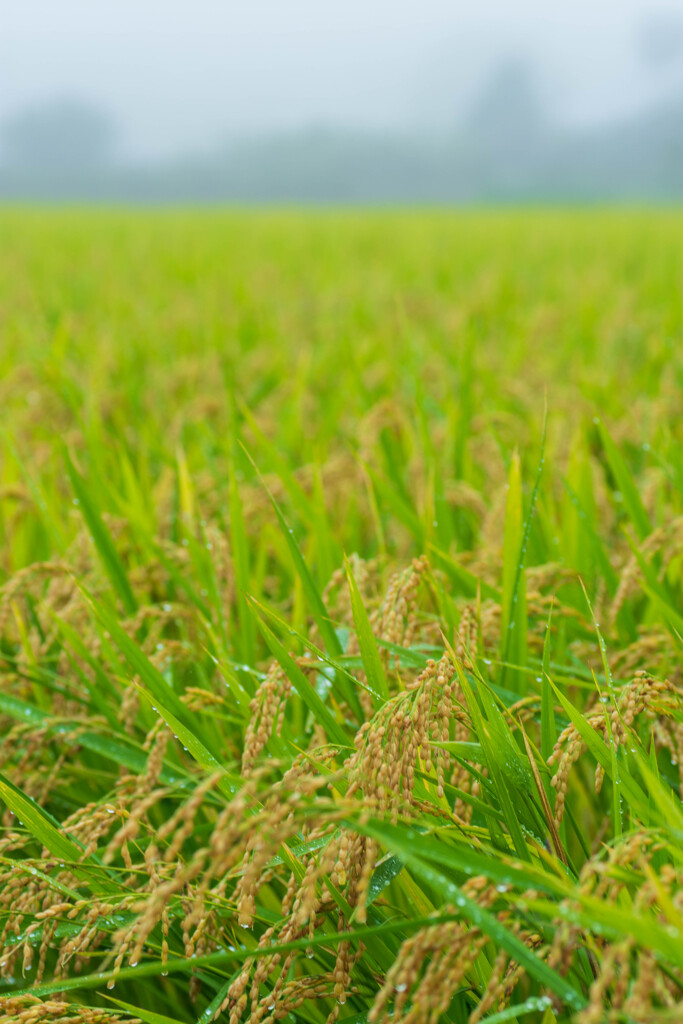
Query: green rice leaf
point(372, 663)
point(627, 487)
point(102, 539)
point(308, 694)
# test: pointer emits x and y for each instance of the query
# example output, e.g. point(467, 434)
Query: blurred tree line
point(506, 149)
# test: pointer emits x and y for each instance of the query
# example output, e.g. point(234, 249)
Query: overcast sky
point(178, 76)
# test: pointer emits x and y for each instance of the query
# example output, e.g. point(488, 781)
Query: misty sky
point(178, 76)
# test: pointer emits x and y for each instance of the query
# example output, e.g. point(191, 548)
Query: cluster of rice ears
point(391, 735)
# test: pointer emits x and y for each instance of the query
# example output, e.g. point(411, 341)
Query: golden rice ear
point(267, 714)
point(632, 701)
point(375, 809)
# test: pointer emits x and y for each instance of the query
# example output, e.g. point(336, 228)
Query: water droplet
point(111, 984)
point(401, 988)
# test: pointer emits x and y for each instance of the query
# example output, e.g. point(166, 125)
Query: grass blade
point(102, 539)
point(369, 651)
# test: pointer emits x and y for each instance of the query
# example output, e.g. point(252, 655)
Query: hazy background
point(373, 101)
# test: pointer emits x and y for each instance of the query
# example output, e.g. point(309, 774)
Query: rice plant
point(340, 618)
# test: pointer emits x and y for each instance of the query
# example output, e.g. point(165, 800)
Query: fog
point(361, 100)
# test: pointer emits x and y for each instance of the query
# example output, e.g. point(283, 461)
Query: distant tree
point(509, 106)
point(60, 135)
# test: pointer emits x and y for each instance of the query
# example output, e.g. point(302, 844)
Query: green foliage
point(339, 681)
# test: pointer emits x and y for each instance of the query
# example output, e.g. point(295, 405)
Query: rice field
point(341, 621)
